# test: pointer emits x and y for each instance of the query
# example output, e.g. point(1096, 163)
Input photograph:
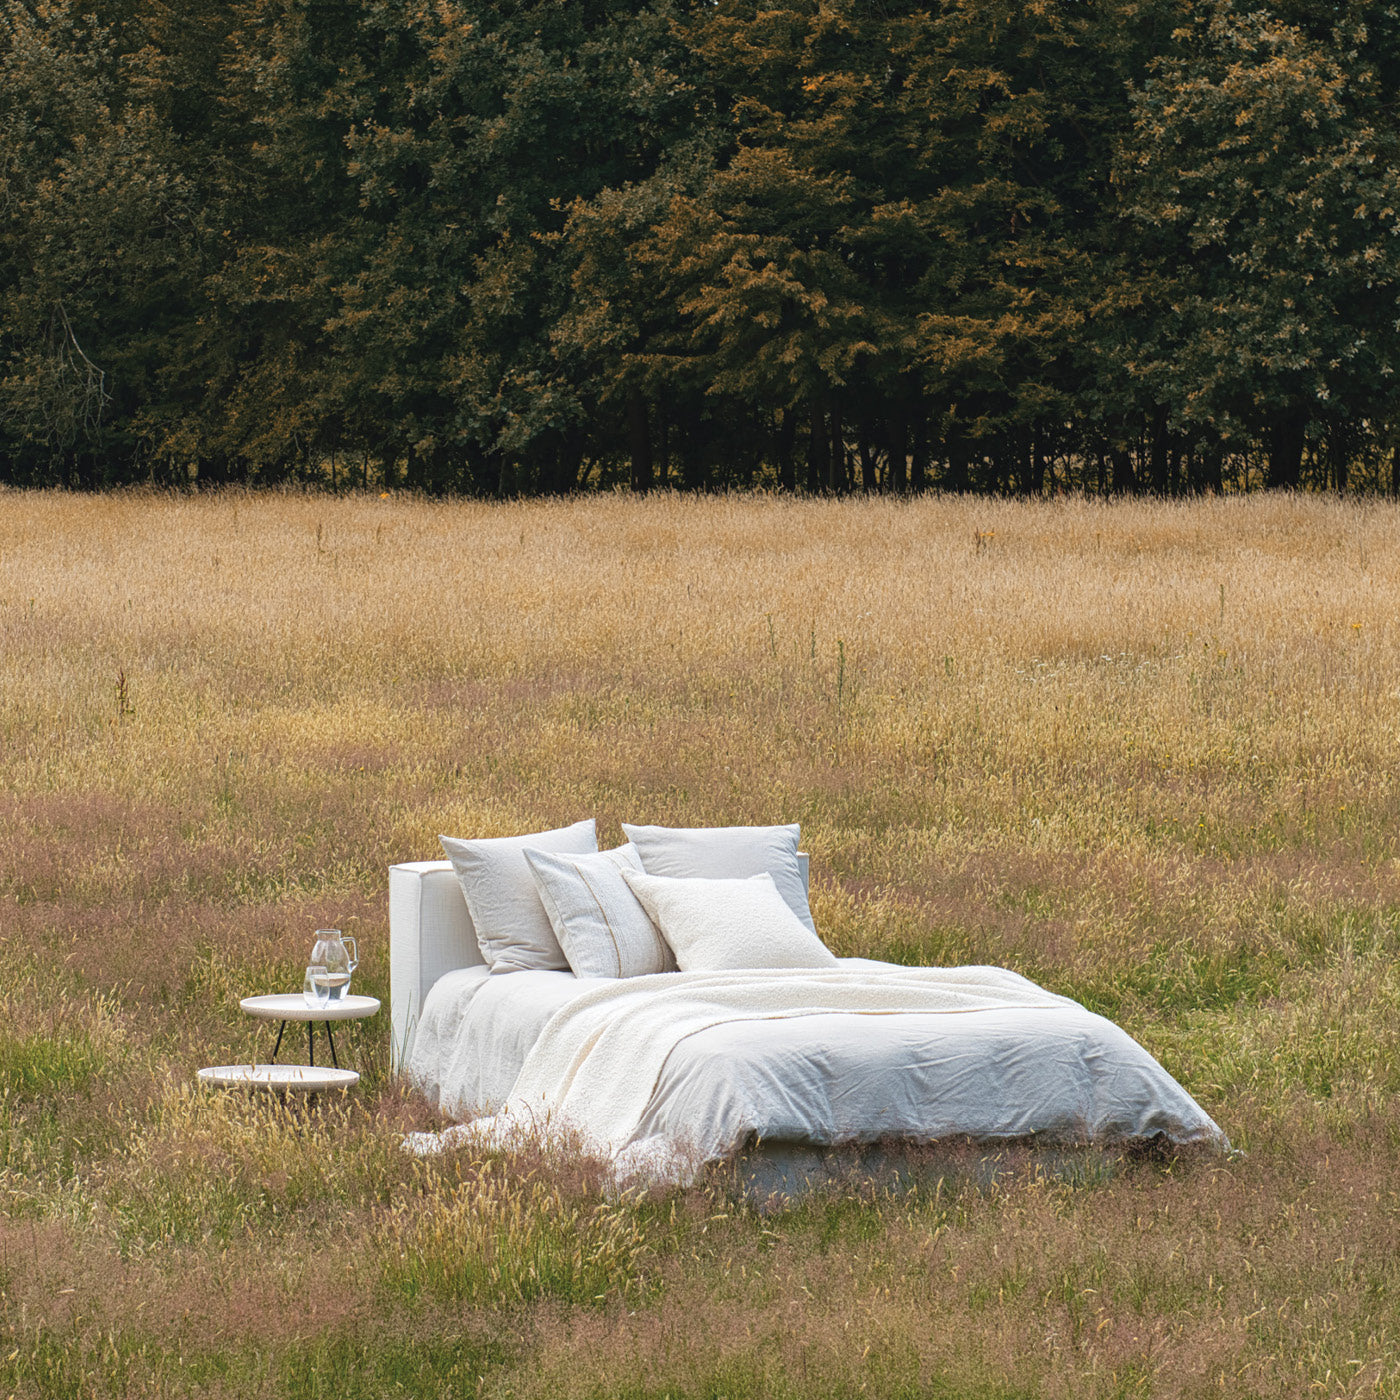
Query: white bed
point(703, 1064)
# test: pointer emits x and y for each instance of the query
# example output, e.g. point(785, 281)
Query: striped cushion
point(601, 927)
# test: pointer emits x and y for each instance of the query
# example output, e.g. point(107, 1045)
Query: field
point(1147, 754)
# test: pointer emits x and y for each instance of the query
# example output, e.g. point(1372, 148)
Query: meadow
point(1143, 752)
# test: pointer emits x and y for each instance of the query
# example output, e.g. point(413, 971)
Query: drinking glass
point(316, 988)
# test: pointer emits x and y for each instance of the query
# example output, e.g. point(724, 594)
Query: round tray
point(291, 1006)
point(301, 1079)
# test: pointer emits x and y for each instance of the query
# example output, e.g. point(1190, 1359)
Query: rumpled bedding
point(662, 1073)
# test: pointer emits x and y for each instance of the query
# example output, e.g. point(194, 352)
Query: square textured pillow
point(598, 921)
point(726, 853)
point(718, 925)
point(511, 924)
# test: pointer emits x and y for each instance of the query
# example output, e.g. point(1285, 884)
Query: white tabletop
point(291, 1006)
point(305, 1079)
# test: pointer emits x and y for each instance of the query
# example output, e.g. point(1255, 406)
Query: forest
point(533, 247)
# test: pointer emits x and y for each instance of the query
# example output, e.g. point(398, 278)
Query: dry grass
point(1144, 753)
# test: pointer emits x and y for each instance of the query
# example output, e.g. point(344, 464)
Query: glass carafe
point(331, 952)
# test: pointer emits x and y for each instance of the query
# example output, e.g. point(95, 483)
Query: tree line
point(536, 246)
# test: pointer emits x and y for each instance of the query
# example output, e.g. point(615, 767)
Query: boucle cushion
point(719, 925)
point(511, 924)
point(598, 921)
point(726, 853)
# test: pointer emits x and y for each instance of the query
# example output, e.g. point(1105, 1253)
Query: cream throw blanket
point(596, 1064)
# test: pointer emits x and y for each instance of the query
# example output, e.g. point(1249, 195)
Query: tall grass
point(1145, 753)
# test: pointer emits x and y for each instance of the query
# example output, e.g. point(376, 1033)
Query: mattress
point(1053, 1070)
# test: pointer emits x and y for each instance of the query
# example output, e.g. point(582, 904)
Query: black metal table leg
point(310, 1042)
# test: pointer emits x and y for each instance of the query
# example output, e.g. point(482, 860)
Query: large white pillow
point(600, 925)
point(726, 853)
point(511, 924)
point(716, 925)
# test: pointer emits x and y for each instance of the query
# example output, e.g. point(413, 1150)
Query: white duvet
point(661, 1073)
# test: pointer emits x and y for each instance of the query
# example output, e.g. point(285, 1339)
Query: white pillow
point(714, 925)
point(601, 927)
point(511, 924)
point(726, 853)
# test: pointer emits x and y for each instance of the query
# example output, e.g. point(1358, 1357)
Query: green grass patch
point(495, 1239)
point(50, 1065)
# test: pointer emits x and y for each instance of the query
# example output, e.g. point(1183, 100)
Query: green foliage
point(524, 247)
point(1262, 168)
point(96, 228)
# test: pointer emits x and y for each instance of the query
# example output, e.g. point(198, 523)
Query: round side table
point(292, 1007)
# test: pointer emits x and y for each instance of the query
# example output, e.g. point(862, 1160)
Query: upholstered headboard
point(430, 933)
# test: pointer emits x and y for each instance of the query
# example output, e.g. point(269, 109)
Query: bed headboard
point(430, 933)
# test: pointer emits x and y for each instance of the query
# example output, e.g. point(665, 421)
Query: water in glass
point(339, 960)
point(316, 988)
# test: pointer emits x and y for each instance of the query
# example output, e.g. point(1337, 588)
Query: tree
point(97, 231)
point(1262, 172)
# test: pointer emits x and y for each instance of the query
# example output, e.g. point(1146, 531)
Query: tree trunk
point(639, 442)
point(959, 478)
point(918, 462)
point(501, 473)
point(787, 437)
point(1286, 437)
point(1037, 476)
point(996, 459)
point(1018, 448)
point(899, 454)
point(1157, 452)
point(559, 472)
point(215, 469)
point(836, 462)
point(818, 448)
point(1124, 477)
point(1213, 468)
point(865, 450)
